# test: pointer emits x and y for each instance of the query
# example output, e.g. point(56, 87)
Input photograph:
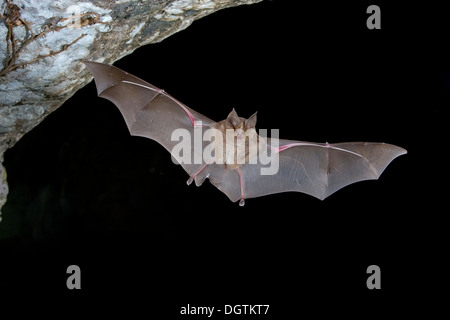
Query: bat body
point(230, 152)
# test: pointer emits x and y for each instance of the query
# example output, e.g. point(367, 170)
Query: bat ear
point(250, 123)
point(233, 118)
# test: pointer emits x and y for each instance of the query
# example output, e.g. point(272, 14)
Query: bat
point(230, 152)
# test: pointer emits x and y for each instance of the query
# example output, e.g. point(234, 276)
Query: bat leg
point(242, 201)
point(192, 178)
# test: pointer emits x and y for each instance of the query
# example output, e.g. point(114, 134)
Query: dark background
point(84, 192)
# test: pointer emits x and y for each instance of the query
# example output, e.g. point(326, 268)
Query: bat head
point(237, 123)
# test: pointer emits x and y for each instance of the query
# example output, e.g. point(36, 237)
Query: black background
point(84, 192)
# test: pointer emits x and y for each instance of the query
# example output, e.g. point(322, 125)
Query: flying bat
point(230, 152)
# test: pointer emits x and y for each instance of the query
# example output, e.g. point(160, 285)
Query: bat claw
point(189, 181)
point(242, 202)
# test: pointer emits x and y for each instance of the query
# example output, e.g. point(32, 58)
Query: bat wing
point(148, 111)
point(316, 169)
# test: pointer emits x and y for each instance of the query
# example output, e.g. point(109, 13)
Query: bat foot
point(189, 181)
point(242, 202)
